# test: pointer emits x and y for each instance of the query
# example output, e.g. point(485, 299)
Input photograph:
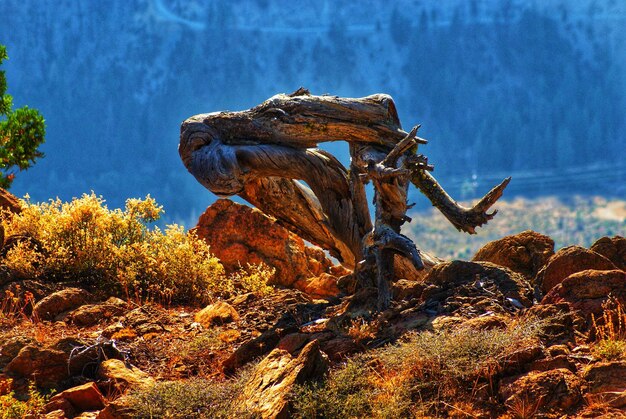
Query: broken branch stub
point(264, 155)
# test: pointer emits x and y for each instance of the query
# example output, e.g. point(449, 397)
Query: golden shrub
point(116, 251)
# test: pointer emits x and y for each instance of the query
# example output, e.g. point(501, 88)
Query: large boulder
point(612, 248)
point(473, 288)
point(46, 366)
point(239, 234)
point(588, 290)
point(60, 302)
point(267, 391)
point(567, 261)
point(608, 381)
point(524, 253)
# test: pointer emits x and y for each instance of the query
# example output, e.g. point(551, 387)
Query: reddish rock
point(340, 348)
point(560, 322)
point(239, 234)
point(121, 376)
point(588, 290)
point(567, 261)
point(216, 314)
point(322, 286)
point(612, 248)
point(524, 253)
point(81, 399)
point(59, 302)
point(11, 347)
point(546, 391)
point(405, 290)
point(267, 391)
point(47, 367)
point(293, 342)
point(91, 314)
point(608, 380)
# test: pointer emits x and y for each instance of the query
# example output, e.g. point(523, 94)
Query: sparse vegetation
point(12, 408)
point(193, 398)
point(435, 368)
point(116, 251)
point(609, 331)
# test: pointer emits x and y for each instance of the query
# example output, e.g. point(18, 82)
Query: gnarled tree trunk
point(268, 155)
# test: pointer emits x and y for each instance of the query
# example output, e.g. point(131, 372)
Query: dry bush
point(116, 252)
point(609, 331)
point(193, 398)
point(426, 374)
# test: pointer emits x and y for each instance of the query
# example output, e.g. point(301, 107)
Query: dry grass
point(609, 331)
point(427, 374)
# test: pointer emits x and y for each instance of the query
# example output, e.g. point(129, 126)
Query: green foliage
point(116, 252)
point(12, 408)
point(22, 131)
point(194, 398)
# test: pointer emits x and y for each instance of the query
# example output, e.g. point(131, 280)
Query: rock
point(606, 376)
point(250, 350)
point(567, 261)
point(524, 253)
point(614, 249)
point(490, 322)
point(239, 234)
point(561, 323)
point(608, 380)
point(586, 291)
point(267, 391)
point(405, 290)
point(546, 391)
point(121, 376)
point(59, 302)
point(293, 342)
point(9, 202)
point(216, 314)
point(91, 314)
point(552, 363)
point(28, 290)
point(11, 347)
point(47, 367)
point(56, 414)
point(322, 286)
point(81, 398)
point(118, 408)
point(473, 288)
point(340, 348)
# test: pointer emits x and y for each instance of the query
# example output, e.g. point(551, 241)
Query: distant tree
point(22, 131)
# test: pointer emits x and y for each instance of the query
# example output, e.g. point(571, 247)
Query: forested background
point(536, 89)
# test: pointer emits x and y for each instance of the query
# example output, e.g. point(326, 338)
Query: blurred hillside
point(530, 88)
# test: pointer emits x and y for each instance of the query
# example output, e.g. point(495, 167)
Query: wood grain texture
point(268, 155)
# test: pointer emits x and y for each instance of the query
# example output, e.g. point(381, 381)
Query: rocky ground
point(95, 349)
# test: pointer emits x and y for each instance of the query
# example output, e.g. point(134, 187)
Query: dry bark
point(268, 155)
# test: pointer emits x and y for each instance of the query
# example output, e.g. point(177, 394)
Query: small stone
point(82, 398)
point(216, 314)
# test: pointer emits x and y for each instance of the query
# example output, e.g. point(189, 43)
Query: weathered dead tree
point(264, 155)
